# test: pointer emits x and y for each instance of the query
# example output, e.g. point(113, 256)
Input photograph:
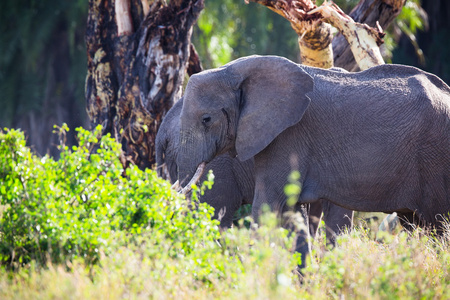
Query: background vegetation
point(81, 227)
point(42, 68)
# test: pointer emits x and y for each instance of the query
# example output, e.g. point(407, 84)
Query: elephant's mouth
point(198, 173)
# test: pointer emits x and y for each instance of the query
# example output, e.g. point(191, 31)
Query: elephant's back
point(388, 135)
point(386, 93)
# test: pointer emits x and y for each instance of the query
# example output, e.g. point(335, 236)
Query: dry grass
point(256, 265)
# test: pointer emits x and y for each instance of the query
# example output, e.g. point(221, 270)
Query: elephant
point(376, 140)
point(234, 182)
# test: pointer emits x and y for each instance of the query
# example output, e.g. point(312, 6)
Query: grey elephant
point(377, 140)
point(234, 181)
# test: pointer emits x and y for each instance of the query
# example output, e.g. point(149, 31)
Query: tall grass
point(257, 266)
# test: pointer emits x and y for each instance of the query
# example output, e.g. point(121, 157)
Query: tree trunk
point(134, 76)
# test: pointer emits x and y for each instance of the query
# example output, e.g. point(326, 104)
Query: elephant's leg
point(302, 244)
point(336, 219)
point(410, 221)
point(277, 204)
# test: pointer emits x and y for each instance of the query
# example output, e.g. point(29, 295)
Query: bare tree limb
point(367, 12)
point(309, 22)
point(145, 7)
point(315, 46)
point(364, 41)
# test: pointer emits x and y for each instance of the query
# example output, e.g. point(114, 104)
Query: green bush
point(82, 205)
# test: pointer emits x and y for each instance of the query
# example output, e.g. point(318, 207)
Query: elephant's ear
point(274, 98)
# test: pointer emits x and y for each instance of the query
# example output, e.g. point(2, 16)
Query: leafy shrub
point(80, 205)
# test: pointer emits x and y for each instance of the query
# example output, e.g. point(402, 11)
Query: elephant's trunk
point(191, 154)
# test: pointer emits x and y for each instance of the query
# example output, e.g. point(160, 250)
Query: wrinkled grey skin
point(376, 140)
point(234, 181)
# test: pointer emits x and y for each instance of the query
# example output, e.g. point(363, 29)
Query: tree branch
point(194, 64)
point(364, 41)
point(367, 12)
point(308, 22)
point(145, 7)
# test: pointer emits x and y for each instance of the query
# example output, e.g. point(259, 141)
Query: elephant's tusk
point(166, 173)
point(176, 185)
point(194, 180)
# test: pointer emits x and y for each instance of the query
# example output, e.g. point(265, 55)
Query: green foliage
point(81, 213)
point(255, 264)
point(81, 205)
point(293, 188)
point(410, 17)
point(228, 29)
point(409, 22)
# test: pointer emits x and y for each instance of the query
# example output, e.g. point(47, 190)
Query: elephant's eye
point(206, 119)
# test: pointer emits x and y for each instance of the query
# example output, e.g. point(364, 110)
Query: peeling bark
point(135, 77)
point(364, 41)
point(123, 17)
point(315, 46)
point(367, 12)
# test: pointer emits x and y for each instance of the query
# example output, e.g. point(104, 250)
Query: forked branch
point(312, 24)
point(364, 40)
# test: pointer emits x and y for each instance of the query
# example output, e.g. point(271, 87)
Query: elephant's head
point(240, 108)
